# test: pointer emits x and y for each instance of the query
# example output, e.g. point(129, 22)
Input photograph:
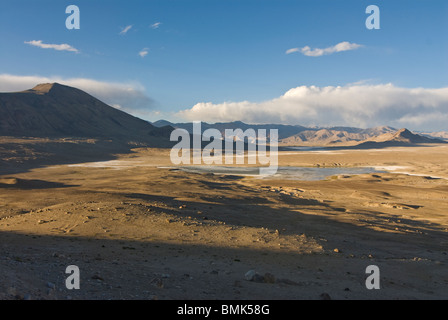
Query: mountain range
point(57, 124)
point(297, 135)
point(53, 110)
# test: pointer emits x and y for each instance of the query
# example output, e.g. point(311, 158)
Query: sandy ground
point(137, 231)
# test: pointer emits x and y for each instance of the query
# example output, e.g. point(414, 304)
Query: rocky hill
point(55, 110)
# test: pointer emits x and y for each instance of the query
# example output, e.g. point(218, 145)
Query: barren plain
point(138, 229)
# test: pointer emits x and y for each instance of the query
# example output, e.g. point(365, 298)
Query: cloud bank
point(58, 47)
point(351, 105)
point(342, 46)
point(130, 97)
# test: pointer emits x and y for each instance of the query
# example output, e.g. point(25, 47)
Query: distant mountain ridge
point(399, 138)
point(53, 110)
point(442, 135)
point(297, 135)
point(334, 136)
point(402, 135)
point(56, 110)
point(284, 131)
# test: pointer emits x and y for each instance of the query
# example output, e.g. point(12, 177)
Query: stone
point(325, 296)
point(249, 276)
point(97, 277)
point(11, 291)
point(258, 278)
point(269, 278)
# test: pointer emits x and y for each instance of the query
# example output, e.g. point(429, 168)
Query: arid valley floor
point(139, 231)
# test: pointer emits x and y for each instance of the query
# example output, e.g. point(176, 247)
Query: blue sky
point(227, 58)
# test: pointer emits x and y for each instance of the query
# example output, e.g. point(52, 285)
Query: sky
point(311, 63)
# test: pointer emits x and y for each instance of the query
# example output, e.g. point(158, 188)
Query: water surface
point(290, 173)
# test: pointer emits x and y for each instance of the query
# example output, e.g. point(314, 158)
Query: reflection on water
point(290, 173)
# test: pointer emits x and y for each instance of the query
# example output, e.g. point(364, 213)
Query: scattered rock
point(19, 297)
point(269, 278)
point(157, 282)
point(97, 277)
point(325, 296)
point(11, 291)
point(252, 275)
point(51, 285)
point(258, 278)
point(288, 282)
point(249, 276)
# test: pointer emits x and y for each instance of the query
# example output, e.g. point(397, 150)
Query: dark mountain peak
point(44, 88)
point(161, 123)
point(405, 133)
point(408, 136)
point(239, 123)
point(56, 110)
point(57, 90)
point(400, 137)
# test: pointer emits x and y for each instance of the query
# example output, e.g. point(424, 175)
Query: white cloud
point(126, 29)
point(143, 52)
point(156, 25)
point(59, 47)
point(352, 105)
point(342, 46)
point(129, 97)
point(419, 119)
point(292, 50)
